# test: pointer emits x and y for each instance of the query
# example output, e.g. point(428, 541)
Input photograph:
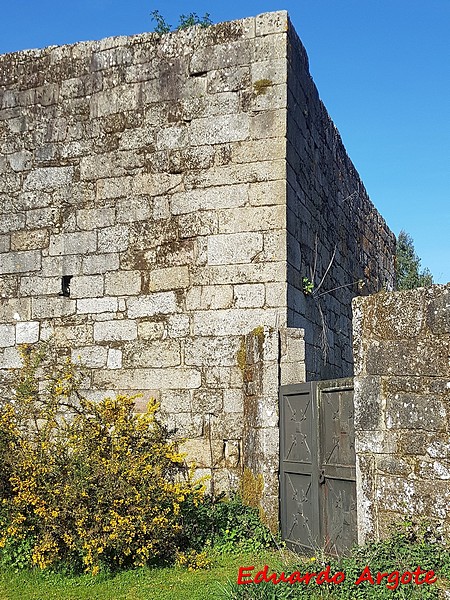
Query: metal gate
point(317, 466)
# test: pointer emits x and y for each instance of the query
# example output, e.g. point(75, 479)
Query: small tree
point(185, 21)
point(408, 273)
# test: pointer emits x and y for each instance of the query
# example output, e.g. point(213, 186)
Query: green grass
point(139, 584)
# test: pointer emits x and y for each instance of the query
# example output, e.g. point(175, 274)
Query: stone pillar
point(402, 408)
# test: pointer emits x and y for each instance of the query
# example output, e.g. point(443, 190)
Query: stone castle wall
point(335, 236)
point(402, 408)
point(158, 175)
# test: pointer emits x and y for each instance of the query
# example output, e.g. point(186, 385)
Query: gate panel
point(337, 468)
point(317, 466)
point(298, 485)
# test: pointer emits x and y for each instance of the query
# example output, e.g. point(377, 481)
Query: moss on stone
point(242, 355)
point(251, 488)
point(262, 85)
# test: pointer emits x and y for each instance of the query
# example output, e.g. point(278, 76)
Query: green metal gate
point(317, 466)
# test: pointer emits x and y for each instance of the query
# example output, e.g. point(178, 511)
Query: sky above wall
point(381, 67)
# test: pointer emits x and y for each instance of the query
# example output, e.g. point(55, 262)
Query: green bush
point(88, 484)
point(226, 524)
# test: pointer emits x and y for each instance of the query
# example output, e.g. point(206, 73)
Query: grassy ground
point(140, 584)
point(168, 583)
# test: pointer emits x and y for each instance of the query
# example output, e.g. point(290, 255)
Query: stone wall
point(148, 225)
point(151, 171)
point(402, 407)
point(335, 236)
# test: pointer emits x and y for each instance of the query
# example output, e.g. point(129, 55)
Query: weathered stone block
point(369, 403)
point(407, 357)
point(233, 400)
point(438, 310)
point(201, 449)
point(276, 294)
point(162, 353)
point(376, 442)
point(207, 402)
point(86, 286)
point(20, 262)
point(11, 222)
point(224, 128)
point(268, 124)
point(239, 273)
point(27, 332)
point(7, 335)
point(436, 469)
point(178, 326)
point(292, 373)
point(252, 219)
point(185, 425)
point(229, 79)
point(119, 99)
point(96, 305)
point(249, 295)
point(116, 330)
point(10, 359)
point(123, 283)
point(151, 330)
point(220, 56)
point(212, 351)
point(72, 335)
point(100, 263)
point(157, 184)
point(57, 266)
point(43, 308)
point(15, 309)
point(41, 217)
point(227, 426)
point(113, 239)
point(48, 178)
point(134, 209)
point(114, 360)
point(171, 378)
point(115, 187)
point(148, 306)
point(198, 223)
point(209, 199)
point(209, 297)
point(273, 71)
point(176, 401)
point(5, 243)
point(232, 321)
point(270, 23)
point(73, 243)
point(234, 248)
point(170, 278)
point(29, 240)
point(411, 411)
point(40, 286)
point(90, 356)
point(93, 218)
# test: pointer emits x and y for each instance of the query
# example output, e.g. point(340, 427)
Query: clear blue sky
point(382, 68)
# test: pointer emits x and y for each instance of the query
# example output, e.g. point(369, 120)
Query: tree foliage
point(408, 273)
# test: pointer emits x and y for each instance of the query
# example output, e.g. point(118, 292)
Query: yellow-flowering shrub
point(86, 483)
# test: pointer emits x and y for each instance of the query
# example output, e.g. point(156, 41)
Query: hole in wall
point(65, 286)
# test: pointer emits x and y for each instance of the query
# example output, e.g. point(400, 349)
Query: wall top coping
point(418, 294)
point(218, 33)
